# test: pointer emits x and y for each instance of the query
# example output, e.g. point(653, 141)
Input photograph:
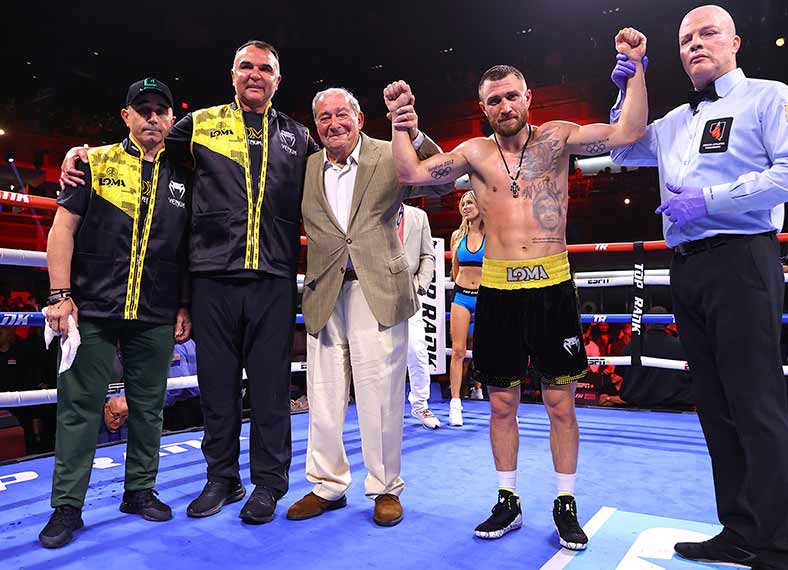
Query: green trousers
point(146, 353)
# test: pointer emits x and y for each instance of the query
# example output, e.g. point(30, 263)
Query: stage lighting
point(780, 42)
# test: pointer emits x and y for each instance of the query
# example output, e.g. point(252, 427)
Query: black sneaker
point(260, 507)
point(570, 534)
point(214, 496)
point(59, 530)
point(147, 504)
point(716, 549)
point(506, 516)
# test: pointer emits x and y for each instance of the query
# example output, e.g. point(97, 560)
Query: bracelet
point(58, 295)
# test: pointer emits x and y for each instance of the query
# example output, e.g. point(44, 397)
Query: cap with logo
point(149, 85)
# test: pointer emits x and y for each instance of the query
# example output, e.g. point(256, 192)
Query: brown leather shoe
point(312, 505)
point(388, 510)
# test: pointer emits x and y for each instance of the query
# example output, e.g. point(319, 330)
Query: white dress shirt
point(735, 148)
point(339, 182)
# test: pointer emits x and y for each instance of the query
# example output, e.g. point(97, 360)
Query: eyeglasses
point(117, 416)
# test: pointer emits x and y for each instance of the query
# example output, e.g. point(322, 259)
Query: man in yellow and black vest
point(117, 258)
point(249, 162)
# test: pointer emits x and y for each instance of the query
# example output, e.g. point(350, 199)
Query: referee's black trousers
point(728, 302)
point(245, 324)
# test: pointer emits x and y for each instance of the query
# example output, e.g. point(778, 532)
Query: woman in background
point(467, 248)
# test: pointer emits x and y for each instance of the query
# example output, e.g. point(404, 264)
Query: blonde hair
point(465, 225)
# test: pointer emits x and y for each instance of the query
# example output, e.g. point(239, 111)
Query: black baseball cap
point(149, 85)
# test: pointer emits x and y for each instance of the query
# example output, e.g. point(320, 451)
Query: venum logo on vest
point(177, 192)
point(110, 178)
point(288, 142)
point(220, 130)
point(534, 273)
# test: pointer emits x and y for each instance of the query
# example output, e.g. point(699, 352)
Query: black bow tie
point(695, 97)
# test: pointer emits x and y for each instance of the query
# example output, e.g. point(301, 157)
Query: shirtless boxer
point(527, 320)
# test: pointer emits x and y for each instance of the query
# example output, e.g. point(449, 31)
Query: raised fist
point(631, 43)
point(396, 95)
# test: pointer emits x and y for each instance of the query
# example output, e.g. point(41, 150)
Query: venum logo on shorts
point(572, 344)
point(534, 273)
point(288, 142)
point(177, 192)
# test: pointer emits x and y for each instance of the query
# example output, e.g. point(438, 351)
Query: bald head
point(711, 12)
point(708, 44)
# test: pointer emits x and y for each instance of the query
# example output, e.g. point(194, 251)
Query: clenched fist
point(396, 95)
point(631, 43)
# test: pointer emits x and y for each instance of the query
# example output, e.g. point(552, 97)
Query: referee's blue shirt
point(735, 148)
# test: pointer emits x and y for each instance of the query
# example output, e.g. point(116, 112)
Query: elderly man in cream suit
point(358, 295)
point(413, 228)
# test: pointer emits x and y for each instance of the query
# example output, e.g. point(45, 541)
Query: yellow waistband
point(526, 273)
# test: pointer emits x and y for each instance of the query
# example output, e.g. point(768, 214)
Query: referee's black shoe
point(214, 496)
point(716, 549)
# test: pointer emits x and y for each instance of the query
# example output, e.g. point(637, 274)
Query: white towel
point(68, 347)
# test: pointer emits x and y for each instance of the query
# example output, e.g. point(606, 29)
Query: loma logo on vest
point(177, 192)
point(220, 132)
point(110, 178)
point(526, 273)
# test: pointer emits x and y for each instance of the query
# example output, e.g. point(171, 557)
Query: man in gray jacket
point(413, 228)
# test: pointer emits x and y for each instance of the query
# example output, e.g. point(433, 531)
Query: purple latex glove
point(623, 70)
point(686, 206)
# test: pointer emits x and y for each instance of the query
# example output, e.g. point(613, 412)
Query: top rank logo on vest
point(110, 178)
point(715, 135)
point(288, 142)
point(221, 130)
point(514, 274)
point(177, 192)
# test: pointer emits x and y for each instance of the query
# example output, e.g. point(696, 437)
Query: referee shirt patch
point(715, 135)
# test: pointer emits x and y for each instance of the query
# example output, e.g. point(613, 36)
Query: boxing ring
point(637, 470)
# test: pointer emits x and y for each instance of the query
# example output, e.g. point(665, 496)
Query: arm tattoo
point(596, 147)
point(441, 170)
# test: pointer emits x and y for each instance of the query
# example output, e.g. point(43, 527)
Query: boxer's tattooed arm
point(596, 147)
point(442, 170)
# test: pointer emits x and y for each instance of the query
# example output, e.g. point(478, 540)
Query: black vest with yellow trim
point(122, 268)
point(234, 229)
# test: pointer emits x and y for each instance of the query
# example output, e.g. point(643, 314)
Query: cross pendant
point(515, 189)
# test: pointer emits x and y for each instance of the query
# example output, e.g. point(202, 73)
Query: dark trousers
point(728, 304)
point(245, 324)
point(146, 350)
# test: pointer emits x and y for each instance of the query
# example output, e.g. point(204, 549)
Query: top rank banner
point(433, 311)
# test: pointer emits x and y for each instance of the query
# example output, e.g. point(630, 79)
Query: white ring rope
point(36, 397)
point(25, 258)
